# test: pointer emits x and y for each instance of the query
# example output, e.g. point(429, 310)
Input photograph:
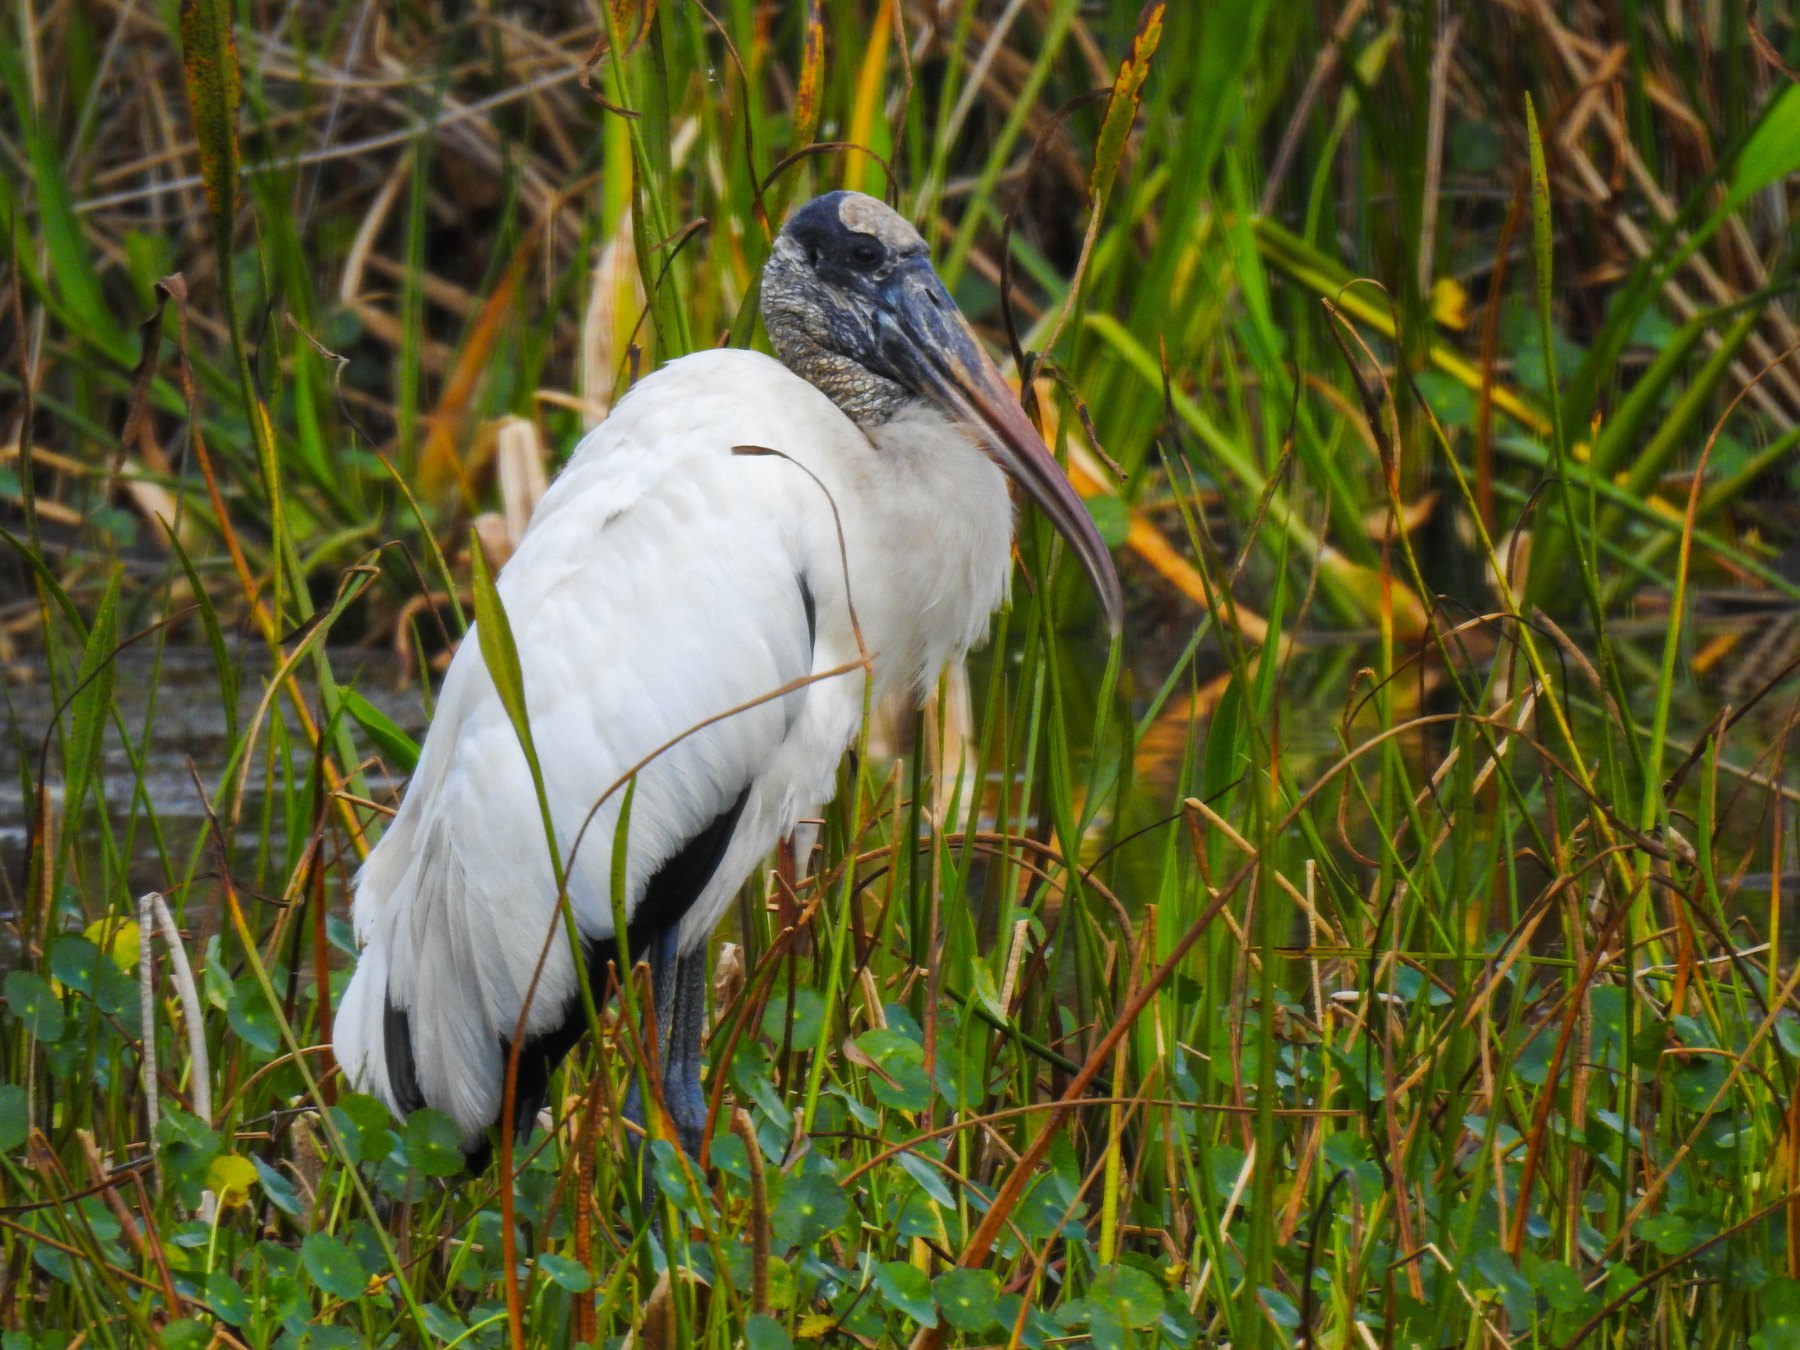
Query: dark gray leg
point(681, 1075)
point(664, 966)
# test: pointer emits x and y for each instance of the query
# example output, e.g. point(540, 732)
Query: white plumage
point(666, 579)
point(658, 586)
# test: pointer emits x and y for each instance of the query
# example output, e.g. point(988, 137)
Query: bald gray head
point(838, 269)
point(853, 307)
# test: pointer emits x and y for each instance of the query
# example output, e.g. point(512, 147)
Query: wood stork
point(664, 580)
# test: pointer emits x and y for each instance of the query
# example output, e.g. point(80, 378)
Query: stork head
point(853, 306)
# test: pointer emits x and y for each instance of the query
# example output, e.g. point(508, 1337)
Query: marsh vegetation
point(1388, 944)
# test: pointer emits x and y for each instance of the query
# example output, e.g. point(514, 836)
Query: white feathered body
point(661, 583)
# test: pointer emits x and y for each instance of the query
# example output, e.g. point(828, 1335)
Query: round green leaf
point(228, 1299)
point(1130, 1295)
point(367, 1126)
point(443, 1323)
point(252, 1018)
point(809, 1018)
point(36, 1005)
point(967, 1298)
point(1561, 1287)
point(565, 1273)
point(433, 1143)
point(811, 1206)
point(74, 960)
point(731, 1158)
point(905, 1287)
point(899, 1080)
point(762, 1332)
point(334, 1267)
point(1670, 1234)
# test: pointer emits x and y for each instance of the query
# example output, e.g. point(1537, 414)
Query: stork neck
point(868, 399)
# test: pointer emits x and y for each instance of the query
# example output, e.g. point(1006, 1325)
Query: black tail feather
point(403, 1069)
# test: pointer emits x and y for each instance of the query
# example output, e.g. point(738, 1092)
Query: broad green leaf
point(74, 963)
point(810, 1207)
point(566, 1273)
point(809, 1016)
point(53, 1262)
point(1561, 1287)
point(901, 1080)
point(1131, 1295)
point(1773, 151)
point(906, 1287)
point(367, 1125)
point(186, 1333)
point(442, 1323)
point(251, 1017)
point(177, 1127)
point(433, 1143)
point(981, 984)
point(930, 1179)
point(187, 1146)
point(36, 1005)
point(762, 1332)
point(961, 1075)
point(401, 750)
point(673, 1171)
point(227, 1298)
point(967, 1298)
point(334, 1266)
point(1670, 1234)
point(1780, 1326)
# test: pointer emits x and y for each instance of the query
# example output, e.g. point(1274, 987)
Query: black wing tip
point(402, 1068)
point(812, 612)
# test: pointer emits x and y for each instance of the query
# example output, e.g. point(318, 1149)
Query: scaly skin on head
point(819, 320)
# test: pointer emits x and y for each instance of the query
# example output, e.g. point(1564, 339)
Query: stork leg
point(663, 961)
point(679, 984)
point(681, 1067)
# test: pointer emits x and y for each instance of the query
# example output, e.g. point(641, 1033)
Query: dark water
point(174, 714)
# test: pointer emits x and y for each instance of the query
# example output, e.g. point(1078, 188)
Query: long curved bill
point(938, 355)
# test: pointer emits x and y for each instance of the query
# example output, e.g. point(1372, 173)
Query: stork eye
point(865, 254)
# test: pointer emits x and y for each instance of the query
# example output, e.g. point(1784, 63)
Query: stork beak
point(938, 355)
